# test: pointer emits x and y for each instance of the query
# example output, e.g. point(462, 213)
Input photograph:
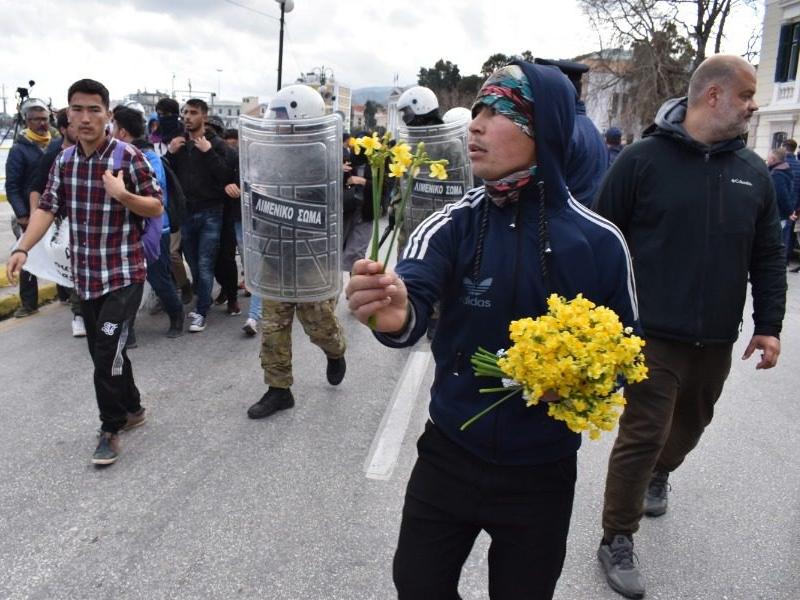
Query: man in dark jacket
point(68, 138)
point(791, 159)
point(781, 173)
point(21, 165)
point(613, 144)
point(199, 159)
point(225, 271)
point(698, 211)
point(588, 157)
point(490, 258)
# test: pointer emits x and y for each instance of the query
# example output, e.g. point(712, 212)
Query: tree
point(494, 62)
point(443, 75)
point(445, 80)
point(652, 47)
point(620, 23)
point(451, 89)
point(659, 69)
point(370, 108)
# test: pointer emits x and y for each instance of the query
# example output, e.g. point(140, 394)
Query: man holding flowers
point(494, 256)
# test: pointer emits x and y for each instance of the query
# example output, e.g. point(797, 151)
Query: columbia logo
point(474, 290)
point(741, 182)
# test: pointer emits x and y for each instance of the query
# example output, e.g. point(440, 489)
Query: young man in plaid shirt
point(106, 212)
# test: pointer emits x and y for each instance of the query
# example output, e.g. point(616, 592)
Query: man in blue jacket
point(129, 127)
point(790, 146)
point(780, 171)
point(490, 258)
point(587, 161)
point(21, 166)
point(698, 211)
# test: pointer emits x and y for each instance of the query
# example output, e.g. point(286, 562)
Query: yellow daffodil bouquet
point(577, 351)
point(404, 165)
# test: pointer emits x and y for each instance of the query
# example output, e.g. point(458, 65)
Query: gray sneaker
point(198, 323)
point(622, 574)
point(655, 499)
point(107, 449)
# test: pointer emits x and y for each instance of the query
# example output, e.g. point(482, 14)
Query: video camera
point(24, 92)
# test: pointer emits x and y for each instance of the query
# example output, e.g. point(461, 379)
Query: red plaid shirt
point(105, 244)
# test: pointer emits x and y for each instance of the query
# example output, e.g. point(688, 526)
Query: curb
point(10, 302)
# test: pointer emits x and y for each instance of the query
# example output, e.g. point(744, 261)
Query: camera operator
point(21, 166)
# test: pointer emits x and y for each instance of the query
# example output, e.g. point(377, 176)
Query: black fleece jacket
point(698, 221)
point(203, 175)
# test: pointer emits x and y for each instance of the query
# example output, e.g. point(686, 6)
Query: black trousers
point(225, 271)
point(453, 495)
point(107, 320)
point(28, 284)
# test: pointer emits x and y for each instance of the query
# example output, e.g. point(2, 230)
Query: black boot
point(336, 370)
point(176, 325)
point(274, 400)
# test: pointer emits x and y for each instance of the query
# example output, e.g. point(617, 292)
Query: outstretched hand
point(770, 349)
point(371, 292)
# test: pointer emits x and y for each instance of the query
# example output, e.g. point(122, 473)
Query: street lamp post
point(219, 79)
point(286, 6)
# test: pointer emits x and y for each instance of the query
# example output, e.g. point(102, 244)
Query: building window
point(788, 53)
point(778, 138)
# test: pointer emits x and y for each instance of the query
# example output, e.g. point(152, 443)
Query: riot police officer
point(295, 103)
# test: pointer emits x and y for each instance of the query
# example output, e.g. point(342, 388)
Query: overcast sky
point(218, 44)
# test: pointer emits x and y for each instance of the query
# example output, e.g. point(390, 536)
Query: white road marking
point(389, 437)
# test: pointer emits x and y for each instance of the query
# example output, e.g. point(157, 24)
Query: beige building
point(605, 91)
point(778, 93)
point(337, 96)
point(358, 122)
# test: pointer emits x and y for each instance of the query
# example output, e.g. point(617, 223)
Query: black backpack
point(176, 199)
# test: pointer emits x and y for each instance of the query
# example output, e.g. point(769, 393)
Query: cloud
point(138, 44)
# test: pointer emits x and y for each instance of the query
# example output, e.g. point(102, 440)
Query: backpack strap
point(119, 151)
point(67, 155)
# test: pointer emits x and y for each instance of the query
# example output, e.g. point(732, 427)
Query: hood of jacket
point(669, 123)
point(554, 116)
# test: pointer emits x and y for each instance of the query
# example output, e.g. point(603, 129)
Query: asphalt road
point(205, 503)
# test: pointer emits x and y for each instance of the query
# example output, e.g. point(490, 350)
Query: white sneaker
point(78, 326)
point(250, 327)
point(198, 323)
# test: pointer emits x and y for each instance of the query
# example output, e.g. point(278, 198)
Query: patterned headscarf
point(508, 92)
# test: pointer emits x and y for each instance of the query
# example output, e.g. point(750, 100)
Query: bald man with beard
point(698, 211)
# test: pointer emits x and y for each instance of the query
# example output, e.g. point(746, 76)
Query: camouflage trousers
point(318, 321)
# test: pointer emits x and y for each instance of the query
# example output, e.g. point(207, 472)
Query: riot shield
point(291, 207)
point(441, 141)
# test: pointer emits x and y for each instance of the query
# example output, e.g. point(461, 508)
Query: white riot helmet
point(32, 104)
point(137, 106)
point(416, 101)
point(296, 102)
point(457, 114)
point(134, 105)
